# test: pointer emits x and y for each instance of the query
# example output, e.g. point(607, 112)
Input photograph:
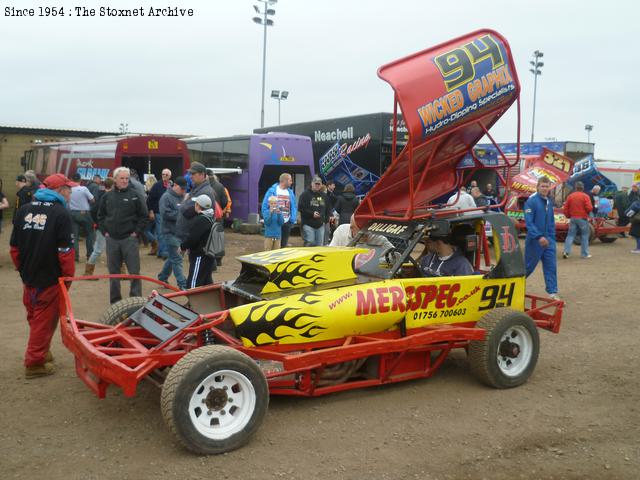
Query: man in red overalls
point(42, 250)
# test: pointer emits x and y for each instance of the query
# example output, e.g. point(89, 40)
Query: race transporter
point(313, 321)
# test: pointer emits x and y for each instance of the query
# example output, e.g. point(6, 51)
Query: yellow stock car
point(311, 321)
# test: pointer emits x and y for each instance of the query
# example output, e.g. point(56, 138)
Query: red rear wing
point(555, 166)
point(450, 95)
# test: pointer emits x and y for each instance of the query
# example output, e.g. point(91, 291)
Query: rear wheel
point(508, 355)
point(120, 311)
point(214, 399)
point(607, 238)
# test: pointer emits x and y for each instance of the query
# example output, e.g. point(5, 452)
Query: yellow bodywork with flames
point(289, 268)
point(317, 314)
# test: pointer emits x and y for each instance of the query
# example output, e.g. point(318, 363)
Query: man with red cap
point(42, 251)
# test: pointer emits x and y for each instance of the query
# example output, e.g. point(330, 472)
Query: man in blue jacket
point(540, 243)
point(169, 209)
point(286, 204)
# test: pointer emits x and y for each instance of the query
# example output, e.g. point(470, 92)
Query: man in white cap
point(200, 265)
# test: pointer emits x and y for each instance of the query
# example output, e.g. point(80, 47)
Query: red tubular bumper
point(123, 354)
point(546, 312)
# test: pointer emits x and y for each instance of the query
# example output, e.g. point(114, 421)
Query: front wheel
point(508, 355)
point(214, 399)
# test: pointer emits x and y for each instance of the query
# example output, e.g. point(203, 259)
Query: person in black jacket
point(331, 195)
point(314, 212)
point(24, 192)
point(620, 204)
point(95, 186)
point(634, 194)
point(200, 265)
point(346, 204)
point(222, 199)
point(42, 251)
point(100, 243)
point(479, 198)
point(122, 217)
point(332, 198)
point(218, 188)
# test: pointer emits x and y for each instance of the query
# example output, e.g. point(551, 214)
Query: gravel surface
point(577, 417)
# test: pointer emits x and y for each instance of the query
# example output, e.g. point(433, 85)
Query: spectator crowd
point(183, 216)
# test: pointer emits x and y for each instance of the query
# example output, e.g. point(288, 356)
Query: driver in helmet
point(444, 259)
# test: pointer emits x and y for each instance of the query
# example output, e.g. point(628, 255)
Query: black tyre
point(592, 235)
point(214, 399)
point(120, 311)
point(508, 355)
point(607, 238)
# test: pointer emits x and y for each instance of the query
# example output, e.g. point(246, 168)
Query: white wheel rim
point(222, 404)
point(515, 351)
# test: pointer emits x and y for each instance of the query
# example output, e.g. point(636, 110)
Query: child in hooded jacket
point(273, 221)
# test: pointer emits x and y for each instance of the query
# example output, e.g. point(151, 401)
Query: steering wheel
point(415, 264)
point(389, 255)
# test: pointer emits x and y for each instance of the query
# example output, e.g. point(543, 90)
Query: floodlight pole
point(279, 96)
point(265, 21)
point(536, 71)
point(535, 88)
point(264, 63)
point(279, 100)
point(588, 128)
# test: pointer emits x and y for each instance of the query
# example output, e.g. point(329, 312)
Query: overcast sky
point(203, 74)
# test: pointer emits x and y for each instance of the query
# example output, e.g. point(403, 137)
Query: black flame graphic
point(311, 332)
point(309, 298)
point(286, 272)
point(317, 258)
point(303, 323)
point(273, 256)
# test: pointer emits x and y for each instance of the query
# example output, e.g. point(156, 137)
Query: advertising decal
point(475, 74)
point(554, 166)
point(375, 307)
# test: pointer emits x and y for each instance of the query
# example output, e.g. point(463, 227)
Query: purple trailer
point(261, 159)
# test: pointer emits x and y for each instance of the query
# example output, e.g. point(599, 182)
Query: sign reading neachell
point(333, 135)
point(361, 138)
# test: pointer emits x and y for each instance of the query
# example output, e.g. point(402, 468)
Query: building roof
point(21, 129)
point(618, 164)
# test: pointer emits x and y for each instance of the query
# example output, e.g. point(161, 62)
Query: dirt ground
point(577, 417)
